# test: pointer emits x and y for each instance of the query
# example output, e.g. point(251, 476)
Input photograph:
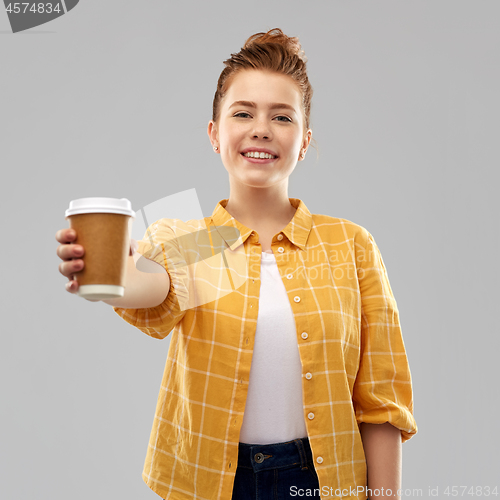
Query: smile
point(259, 160)
point(258, 154)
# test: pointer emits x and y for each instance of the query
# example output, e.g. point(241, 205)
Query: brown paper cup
point(106, 240)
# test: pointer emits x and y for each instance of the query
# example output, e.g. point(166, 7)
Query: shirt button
point(319, 460)
point(280, 237)
point(304, 335)
point(296, 298)
point(308, 376)
point(310, 416)
point(289, 276)
point(281, 249)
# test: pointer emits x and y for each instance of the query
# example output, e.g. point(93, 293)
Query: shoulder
point(339, 227)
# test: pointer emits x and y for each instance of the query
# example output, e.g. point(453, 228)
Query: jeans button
point(259, 458)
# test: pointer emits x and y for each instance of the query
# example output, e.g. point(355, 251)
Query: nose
point(261, 129)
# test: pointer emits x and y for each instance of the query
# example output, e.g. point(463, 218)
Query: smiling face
point(261, 111)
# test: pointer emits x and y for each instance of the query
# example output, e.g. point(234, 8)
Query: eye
point(243, 113)
point(285, 117)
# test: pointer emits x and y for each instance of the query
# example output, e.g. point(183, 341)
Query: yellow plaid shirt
point(348, 334)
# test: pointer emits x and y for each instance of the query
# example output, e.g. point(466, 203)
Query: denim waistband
point(275, 456)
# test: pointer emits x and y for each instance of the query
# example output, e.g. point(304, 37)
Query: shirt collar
point(297, 230)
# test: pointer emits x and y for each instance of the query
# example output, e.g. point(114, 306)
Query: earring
point(302, 154)
point(216, 149)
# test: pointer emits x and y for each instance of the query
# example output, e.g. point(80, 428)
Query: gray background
point(113, 99)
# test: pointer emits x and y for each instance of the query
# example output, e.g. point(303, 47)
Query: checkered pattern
point(349, 338)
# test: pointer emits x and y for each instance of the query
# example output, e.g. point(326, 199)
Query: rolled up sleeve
point(160, 245)
point(382, 390)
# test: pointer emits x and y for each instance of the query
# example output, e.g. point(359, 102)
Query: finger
point(72, 285)
point(70, 251)
point(71, 267)
point(133, 246)
point(65, 235)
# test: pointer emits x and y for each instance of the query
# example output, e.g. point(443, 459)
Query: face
point(260, 127)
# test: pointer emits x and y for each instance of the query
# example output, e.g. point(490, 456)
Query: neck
point(258, 207)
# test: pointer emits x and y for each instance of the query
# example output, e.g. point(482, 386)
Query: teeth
point(256, 154)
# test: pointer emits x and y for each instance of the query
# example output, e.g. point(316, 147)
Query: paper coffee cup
point(102, 228)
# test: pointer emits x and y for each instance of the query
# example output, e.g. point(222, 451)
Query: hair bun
point(273, 52)
point(291, 44)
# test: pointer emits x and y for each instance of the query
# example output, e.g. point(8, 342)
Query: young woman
point(297, 383)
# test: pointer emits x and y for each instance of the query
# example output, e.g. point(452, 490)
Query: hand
point(71, 255)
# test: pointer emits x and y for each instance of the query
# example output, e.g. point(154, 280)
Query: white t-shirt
point(274, 410)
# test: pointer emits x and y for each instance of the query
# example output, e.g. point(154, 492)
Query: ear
point(307, 139)
point(213, 135)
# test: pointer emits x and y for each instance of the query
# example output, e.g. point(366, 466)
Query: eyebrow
point(273, 105)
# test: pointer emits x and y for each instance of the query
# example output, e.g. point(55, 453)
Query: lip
point(259, 160)
point(260, 150)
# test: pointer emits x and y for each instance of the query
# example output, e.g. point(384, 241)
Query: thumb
point(133, 246)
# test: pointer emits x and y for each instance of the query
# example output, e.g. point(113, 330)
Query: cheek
point(292, 149)
point(234, 140)
point(292, 141)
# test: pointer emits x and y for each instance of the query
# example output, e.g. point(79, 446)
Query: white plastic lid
point(99, 206)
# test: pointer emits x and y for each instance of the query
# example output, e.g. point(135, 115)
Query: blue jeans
point(275, 471)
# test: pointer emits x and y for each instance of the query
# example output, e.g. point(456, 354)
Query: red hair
point(271, 51)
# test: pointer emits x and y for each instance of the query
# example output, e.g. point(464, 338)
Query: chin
point(258, 184)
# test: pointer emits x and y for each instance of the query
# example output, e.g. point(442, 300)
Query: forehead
point(263, 87)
